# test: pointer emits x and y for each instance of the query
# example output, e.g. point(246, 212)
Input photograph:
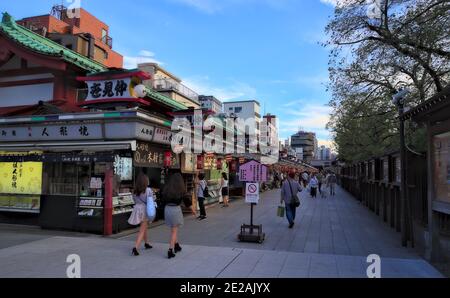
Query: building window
point(104, 34)
point(238, 109)
point(230, 109)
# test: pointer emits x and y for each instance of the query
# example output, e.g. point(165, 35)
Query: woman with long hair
point(173, 194)
point(142, 193)
point(225, 189)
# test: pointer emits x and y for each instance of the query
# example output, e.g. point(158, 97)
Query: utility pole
point(406, 222)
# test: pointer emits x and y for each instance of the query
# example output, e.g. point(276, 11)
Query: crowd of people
point(311, 181)
point(174, 193)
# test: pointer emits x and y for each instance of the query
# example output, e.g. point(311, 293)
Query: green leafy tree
point(404, 44)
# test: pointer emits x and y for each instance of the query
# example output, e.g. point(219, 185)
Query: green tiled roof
point(165, 100)
point(42, 45)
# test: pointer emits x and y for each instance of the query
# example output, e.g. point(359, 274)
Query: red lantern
point(167, 158)
point(219, 163)
point(200, 162)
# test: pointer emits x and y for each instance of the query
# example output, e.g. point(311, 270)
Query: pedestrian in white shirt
point(314, 184)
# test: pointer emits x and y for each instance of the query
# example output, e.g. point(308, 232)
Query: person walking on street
point(225, 190)
point(201, 186)
point(174, 194)
point(289, 189)
point(142, 193)
point(305, 178)
point(331, 183)
point(320, 179)
point(314, 184)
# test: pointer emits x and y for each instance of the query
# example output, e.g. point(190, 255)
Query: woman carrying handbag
point(142, 195)
point(289, 191)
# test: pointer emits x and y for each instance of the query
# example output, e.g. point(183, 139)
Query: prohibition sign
point(252, 188)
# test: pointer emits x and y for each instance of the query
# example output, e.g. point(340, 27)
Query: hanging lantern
point(167, 158)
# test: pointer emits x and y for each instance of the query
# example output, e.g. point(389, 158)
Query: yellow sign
point(21, 178)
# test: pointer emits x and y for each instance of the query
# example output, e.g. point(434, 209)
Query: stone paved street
point(332, 238)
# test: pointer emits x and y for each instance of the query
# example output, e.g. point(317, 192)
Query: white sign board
point(252, 193)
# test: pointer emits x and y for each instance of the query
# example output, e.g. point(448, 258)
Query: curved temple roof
point(45, 46)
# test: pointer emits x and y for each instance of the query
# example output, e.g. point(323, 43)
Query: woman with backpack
point(142, 193)
point(202, 192)
point(174, 194)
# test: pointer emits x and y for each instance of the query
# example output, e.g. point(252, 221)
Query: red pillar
point(108, 206)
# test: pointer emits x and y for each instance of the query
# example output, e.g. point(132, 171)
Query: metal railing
point(172, 85)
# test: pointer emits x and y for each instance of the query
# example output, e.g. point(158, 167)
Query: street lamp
point(399, 100)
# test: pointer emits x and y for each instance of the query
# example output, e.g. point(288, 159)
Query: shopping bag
point(280, 211)
point(151, 206)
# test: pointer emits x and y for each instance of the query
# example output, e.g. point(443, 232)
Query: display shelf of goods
point(29, 204)
point(125, 209)
point(123, 203)
point(90, 207)
point(123, 200)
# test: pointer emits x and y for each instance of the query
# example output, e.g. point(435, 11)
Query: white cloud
point(206, 6)
point(309, 117)
point(314, 81)
point(235, 89)
point(144, 56)
point(342, 3)
point(214, 6)
point(293, 103)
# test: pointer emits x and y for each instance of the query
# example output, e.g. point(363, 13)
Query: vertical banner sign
point(200, 159)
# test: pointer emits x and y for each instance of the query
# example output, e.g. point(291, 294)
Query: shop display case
point(123, 203)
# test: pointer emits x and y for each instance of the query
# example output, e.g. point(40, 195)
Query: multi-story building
point(210, 103)
point(247, 109)
point(269, 139)
point(83, 33)
point(287, 143)
point(169, 85)
point(323, 153)
point(307, 141)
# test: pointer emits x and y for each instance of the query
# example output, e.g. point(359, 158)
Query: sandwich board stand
point(252, 173)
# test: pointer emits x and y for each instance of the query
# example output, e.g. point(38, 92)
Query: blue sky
point(234, 49)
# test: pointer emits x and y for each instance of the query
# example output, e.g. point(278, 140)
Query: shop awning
point(70, 146)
